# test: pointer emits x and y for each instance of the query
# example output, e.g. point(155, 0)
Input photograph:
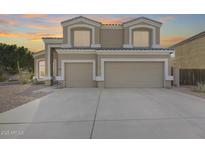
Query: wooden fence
point(191, 76)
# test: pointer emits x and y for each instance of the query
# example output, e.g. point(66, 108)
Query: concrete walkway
point(107, 113)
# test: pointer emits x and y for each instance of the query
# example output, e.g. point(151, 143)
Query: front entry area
point(134, 74)
point(79, 75)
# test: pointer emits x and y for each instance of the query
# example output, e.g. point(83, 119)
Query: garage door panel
point(79, 75)
point(133, 74)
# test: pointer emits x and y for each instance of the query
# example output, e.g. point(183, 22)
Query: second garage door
point(134, 74)
point(79, 75)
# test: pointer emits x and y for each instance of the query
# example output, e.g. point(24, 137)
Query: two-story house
point(92, 54)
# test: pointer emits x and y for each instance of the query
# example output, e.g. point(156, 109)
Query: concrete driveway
point(107, 113)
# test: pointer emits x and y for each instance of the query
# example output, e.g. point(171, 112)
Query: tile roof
point(112, 24)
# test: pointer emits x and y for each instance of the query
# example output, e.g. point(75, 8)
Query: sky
point(28, 29)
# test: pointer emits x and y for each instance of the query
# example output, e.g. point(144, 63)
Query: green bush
point(200, 87)
point(2, 78)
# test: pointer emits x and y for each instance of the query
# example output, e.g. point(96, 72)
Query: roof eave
point(199, 35)
point(143, 18)
point(70, 20)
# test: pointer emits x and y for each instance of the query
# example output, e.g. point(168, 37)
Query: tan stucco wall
point(111, 38)
point(190, 55)
point(65, 34)
point(97, 35)
point(126, 35)
point(157, 35)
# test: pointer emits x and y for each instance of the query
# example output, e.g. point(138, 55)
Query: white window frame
point(80, 25)
point(38, 68)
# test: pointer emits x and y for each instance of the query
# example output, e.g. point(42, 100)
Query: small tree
point(12, 57)
point(15, 59)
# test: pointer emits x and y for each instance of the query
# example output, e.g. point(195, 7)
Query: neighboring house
point(189, 60)
point(92, 54)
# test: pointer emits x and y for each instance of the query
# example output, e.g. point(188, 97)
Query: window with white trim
point(141, 39)
point(81, 38)
point(41, 68)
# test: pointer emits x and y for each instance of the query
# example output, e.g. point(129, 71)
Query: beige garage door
point(133, 74)
point(79, 75)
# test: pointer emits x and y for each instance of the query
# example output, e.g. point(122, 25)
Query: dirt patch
point(12, 96)
point(189, 90)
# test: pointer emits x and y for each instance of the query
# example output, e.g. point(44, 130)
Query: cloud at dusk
point(7, 22)
point(166, 19)
point(30, 36)
point(28, 29)
point(34, 15)
point(168, 41)
point(117, 20)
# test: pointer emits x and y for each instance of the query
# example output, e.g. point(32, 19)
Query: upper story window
point(141, 39)
point(82, 38)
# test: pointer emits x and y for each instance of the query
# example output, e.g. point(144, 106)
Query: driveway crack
point(96, 110)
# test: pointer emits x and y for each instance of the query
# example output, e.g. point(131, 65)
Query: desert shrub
point(200, 87)
point(24, 81)
point(25, 77)
point(36, 82)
